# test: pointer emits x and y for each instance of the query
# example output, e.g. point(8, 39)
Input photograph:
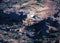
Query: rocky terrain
point(29, 21)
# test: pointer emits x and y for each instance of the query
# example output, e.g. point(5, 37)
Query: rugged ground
point(29, 21)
